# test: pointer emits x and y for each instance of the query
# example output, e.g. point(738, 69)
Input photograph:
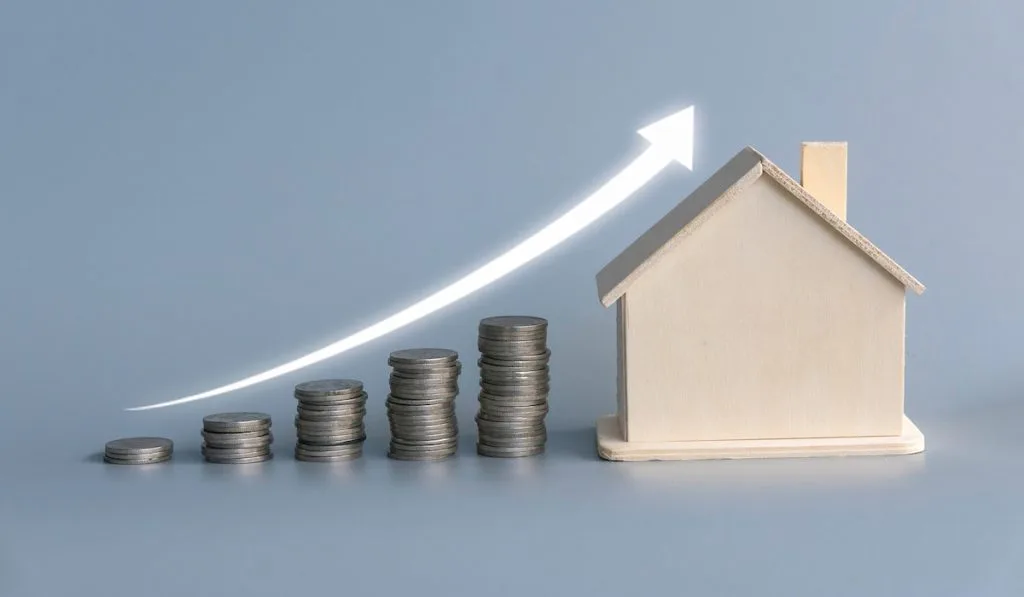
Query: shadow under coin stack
point(237, 438)
point(514, 386)
point(421, 406)
point(329, 424)
point(138, 450)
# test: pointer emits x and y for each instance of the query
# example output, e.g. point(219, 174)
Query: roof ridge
point(740, 171)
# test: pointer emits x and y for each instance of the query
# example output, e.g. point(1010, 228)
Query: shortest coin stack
point(138, 450)
point(237, 438)
point(329, 423)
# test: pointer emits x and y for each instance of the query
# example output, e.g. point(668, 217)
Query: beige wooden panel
point(620, 333)
point(823, 174)
point(765, 324)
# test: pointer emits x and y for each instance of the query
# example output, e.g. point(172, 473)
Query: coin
point(226, 440)
point(234, 452)
point(505, 452)
point(512, 326)
point(139, 446)
point(240, 460)
point(322, 388)
point(423, 356)
point(113, 459)
point(236, 422)
point(327, 458)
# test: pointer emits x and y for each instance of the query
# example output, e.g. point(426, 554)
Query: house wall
point(620, 375)
point(764, 323)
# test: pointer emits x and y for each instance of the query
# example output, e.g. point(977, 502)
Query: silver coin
point(397, 395)
point(419, 409)
point(502, 325)
point(506, 360)
point(515, 377)
point(490, 363)
point(242, 460)
point(332, 405)
point(518, 442)
point(522, 403)
point(341, 437)
point(424, 378)
point(240, 443)
point(352, 443)
point(515, 390)
point(439, 427)
point(512, 442)
point(306, 457)
point(315, 450)
point(523, 432)
point(332, 408)
point(507, 402)
point(330, 440)
point(422, 456)
point(138, 446)
point(510, 349)
point(236, 422)
point(424, 386)
point(233, 452)
point(423, 356)
point(414, 439)
point(432, 375)
point(424, 443)
point(328, 424)
point(332, 432)
point(508, 420)
point(112, 459)
point(217, 436)
point(318, 417)
point(322, 388)
point(505, 428)
point(398, 404)
point(493, 452)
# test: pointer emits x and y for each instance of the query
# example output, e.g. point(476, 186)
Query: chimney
point(823, 173)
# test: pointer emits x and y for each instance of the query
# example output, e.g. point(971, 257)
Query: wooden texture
point(747, 167)
point(621, 369)
point(823, 174)
point(765, 323)
point(611, 446)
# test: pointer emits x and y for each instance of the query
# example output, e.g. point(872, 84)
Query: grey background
point(193, 192)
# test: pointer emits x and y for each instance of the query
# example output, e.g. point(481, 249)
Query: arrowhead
point(673, 135)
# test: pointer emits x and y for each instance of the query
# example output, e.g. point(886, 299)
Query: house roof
point(739, 173)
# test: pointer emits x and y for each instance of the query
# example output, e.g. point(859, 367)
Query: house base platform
point(611, 446)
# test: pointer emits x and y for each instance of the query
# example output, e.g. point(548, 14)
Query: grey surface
point(193, 192)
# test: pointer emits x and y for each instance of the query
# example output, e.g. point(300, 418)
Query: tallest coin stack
point(514, 386)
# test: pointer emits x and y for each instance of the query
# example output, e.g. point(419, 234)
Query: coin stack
point(237, 438)
point(329, 423)
point(421, 406)
point(514, 386)
point(138, 450)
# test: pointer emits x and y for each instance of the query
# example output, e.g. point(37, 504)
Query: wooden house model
point(753, 321)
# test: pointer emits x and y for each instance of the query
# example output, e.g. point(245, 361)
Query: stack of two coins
point(514, 386)
point(237, 438)
point(138, 450)
point(329, 422)
point(424, 383)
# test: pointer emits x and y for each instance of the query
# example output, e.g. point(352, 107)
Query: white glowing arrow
point(671, 140)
